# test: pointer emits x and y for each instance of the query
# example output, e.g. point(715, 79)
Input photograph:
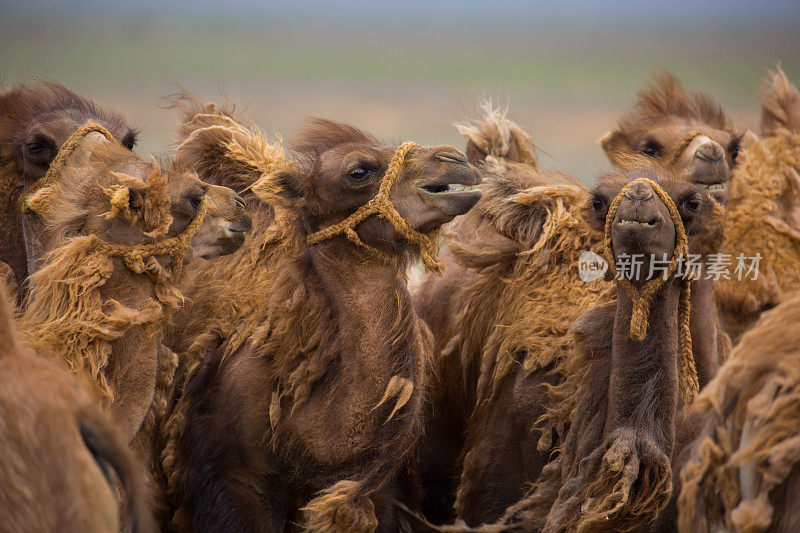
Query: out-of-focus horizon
point(566, 70)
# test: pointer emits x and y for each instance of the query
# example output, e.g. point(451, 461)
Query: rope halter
point(139, 258)
point(382, 206)
point(642, 298)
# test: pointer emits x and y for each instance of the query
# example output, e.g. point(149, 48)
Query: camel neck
point(643, 387)
point(705, 341)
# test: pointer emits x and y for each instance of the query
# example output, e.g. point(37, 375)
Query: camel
point(307, 407)
point(764, 211)
point(687, 131)
point(500, 316)
point(59, 455)
point(35, 120)
point(115, 230)
point(632, 367)
point(742, 470)
point(499, 325)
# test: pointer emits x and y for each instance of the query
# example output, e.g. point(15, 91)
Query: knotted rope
point(642, 298)
point(139, 258)
point(382, 206)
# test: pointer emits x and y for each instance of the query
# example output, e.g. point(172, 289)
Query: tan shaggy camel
point(60, 457)
point(35, 120)
point(686, 131)
point(116, 229)
point(309, 409)
point(764, 211)
point(742, 471)
point(632, 367)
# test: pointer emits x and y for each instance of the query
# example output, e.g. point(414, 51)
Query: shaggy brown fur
point(764, 212)
point(687, 131)
point(59, 456)
point(743, 468)
point(35, 120)
point(311, 406)
point(614, 470)
point(92, 311)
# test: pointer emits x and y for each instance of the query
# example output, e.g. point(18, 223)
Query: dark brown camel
point(35, 120)
point(60, 457)
point(310, 408)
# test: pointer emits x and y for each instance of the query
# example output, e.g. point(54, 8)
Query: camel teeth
point(457, 187)
point(634, 223)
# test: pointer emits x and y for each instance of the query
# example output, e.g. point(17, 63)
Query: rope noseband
point(139, 258)
point(642, 298)
point(382, 206)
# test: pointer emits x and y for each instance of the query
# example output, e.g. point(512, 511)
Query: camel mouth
point(636, 224)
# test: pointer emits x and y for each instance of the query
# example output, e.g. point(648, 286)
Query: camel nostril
point(710, 151)
point(639, 192)
point(451, 157)
point(238, 200)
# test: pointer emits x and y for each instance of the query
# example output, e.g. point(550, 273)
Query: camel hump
point(498, 136)
point(780, 104)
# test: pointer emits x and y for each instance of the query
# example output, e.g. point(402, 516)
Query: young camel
point(59, 456)
point(764, 211)
point(685, 131)
point(614, 472)
point(742, 471)
point(115, 230)
point(312, 403)
point(35, 121)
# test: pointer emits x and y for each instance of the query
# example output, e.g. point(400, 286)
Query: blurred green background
point(565, 70)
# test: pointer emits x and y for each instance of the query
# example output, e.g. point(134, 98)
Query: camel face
point(225, 225)
point(35, 122)
point(686, 132)
point(642, 223)
point(341, 169)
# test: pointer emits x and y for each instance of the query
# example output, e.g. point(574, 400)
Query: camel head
point(103, 189)
point(35, 121)
point(686, 131)
point(643, 225)
point(339, 169)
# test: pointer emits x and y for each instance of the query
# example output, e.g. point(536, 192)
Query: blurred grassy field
point(400, 79)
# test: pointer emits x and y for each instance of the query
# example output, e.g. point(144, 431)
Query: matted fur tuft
point(747, 452)
point(342, 507)
point(498, 136)
point(67, 317)
point(666, 97)
point(780, 104)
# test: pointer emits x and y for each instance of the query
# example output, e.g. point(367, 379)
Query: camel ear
point(614, 143)
point(281, 185)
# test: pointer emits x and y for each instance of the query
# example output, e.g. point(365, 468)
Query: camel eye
point(734, 153)
point(598, 204)
point(692, 204)
point(36, 148)
point(651, 149)
point(359, 175)
point(196, 200)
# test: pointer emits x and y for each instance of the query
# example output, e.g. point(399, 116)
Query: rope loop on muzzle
point(139, 258)
point(642, 298)
point(382, 206)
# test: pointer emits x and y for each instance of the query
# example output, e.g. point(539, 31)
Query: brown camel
point(310, 407)
point(35, 120)
point(59, 456)
point(614, 472)
point(687, 131)
point(500, 319)
point(115, 229)
point(498, 324)
point(764, 211)
point(742, 471)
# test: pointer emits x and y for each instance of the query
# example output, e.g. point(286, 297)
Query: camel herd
point(354, 336)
